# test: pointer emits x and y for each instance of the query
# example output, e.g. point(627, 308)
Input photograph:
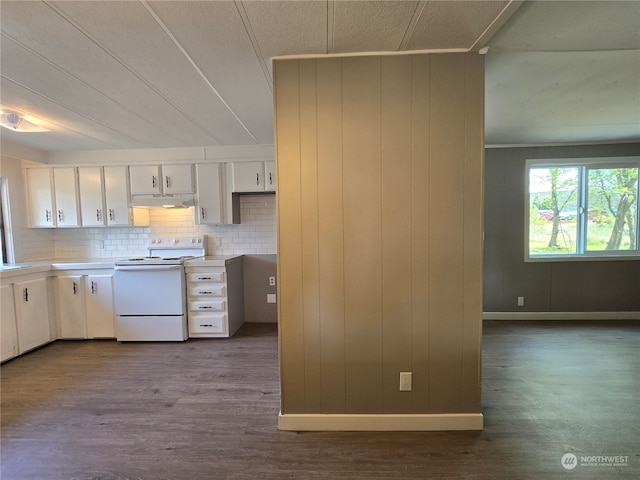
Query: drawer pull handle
point(205, 307)
point(204, 278)
point(205, 292)
point(206, 325)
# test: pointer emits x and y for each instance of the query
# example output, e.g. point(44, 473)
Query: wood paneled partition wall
point(380, 164)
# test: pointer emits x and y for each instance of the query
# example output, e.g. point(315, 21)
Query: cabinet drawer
point(208, 306)
point(208, 290)
point(207, 277)
point(211, 323)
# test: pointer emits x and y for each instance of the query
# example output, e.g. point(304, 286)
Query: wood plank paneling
point(446, 263)
point(362, 233)
point(309, 235)
point(420, 232)
point(290, 293)
point(473, 225)
point(331, 234)
point(379, 227)
point(395, 136)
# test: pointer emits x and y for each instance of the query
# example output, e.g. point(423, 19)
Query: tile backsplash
point(255, 235)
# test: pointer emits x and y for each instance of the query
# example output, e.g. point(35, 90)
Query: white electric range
point(150, 291)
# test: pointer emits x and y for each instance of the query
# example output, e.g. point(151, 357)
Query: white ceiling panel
point(571, 26)
point(592, 90)
point(157, 60)
point(35, 74)
point(226, 58)
point(361, 26)
point(453, 24)
point(149, 74)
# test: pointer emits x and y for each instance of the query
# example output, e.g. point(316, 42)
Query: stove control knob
point(176, 241)
point(193, 240)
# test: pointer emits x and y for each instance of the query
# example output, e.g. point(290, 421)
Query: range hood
point(162, 201)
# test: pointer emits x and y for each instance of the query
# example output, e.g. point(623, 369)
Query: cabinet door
point(270, 176)
point(99, 306)
point(40, 197)
point(116, 196)
point(66, 195)
point(209, 210)
point(71, 307)
point(91, 197)
point(8, 329)
point(145, 179)
point(32, 313)
point(248, 177)
point(177, 179)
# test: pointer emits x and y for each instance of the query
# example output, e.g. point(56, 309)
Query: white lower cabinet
point(85, 305)
point(32, 313)
point(8, 329)
point(214, 310)
point(99, 306)
point(70, 299)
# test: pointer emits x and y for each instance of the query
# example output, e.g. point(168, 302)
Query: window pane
point(553, 210)
point(612, 195)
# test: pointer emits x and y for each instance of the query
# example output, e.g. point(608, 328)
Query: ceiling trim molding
point(496, 25)
point(368, 54)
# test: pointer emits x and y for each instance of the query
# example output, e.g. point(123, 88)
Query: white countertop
point(38, 266)
point(212, 261)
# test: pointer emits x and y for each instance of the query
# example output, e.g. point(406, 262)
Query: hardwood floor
point(207, 409)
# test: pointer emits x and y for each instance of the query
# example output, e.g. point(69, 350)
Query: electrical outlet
point(405, 381)
point(272, 281)
point(521, 301)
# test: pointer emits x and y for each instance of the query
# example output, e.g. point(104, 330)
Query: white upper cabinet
point(270, 176)
point(117, 196)
point(161, 179)
point(210, 187)
point(116, 192)
point(66, 196)
point(91, 197)
point(253, 177)
point(177, 179)
point(40, 197)
point(53, 197)
point(145, 179)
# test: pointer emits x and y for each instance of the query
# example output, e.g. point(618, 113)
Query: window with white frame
point(582, 208)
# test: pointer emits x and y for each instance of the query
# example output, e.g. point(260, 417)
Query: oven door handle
point(140, 268)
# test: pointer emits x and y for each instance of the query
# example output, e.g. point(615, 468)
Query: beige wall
point(379, 167)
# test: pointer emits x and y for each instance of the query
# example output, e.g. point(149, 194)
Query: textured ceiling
point(152, 74)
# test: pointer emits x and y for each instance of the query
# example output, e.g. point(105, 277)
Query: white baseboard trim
point(561, 315)
point(380, 422)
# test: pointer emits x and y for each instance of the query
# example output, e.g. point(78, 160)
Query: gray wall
point(257, 270)
point(594, 286)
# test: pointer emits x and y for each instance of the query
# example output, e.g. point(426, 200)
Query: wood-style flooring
point(207, 409)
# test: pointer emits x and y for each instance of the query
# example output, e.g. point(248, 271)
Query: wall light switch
point(271, 298)
point(521, 301)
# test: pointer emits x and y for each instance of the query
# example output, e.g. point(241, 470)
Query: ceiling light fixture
point(19, 123)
